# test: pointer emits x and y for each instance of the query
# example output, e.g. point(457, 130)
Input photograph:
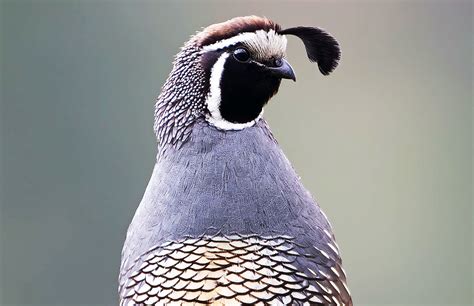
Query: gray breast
point(225, 218)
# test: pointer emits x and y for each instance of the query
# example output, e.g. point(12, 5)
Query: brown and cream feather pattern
point(234, 269)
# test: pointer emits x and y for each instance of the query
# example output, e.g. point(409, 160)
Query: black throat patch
point(245, 89)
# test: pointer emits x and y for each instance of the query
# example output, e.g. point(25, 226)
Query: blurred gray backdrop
point(384, 143)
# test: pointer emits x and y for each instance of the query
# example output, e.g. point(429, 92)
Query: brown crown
point(234, 26)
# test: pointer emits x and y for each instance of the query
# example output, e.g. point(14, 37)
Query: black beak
point(284, 71)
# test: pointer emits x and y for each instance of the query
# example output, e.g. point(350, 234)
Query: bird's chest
point(244, 194)
point(223, 212)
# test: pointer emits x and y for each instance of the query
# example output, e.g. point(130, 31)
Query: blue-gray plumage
point(225, 219)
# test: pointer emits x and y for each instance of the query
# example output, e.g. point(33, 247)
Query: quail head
point(225, 219)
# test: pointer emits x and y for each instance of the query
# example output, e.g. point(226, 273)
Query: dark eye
point(242, 55)
point(277, 62)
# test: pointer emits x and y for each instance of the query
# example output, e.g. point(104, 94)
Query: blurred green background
point(384, 143)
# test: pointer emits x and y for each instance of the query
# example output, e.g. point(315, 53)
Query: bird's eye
point(242, 55)
point(278, 62)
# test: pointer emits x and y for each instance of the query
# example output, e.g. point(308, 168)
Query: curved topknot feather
point(320, 47)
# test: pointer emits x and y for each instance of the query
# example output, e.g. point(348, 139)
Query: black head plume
point(320, 47)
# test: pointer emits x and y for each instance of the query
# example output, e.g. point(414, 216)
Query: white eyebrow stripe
point(221, 44)
point(261, 41)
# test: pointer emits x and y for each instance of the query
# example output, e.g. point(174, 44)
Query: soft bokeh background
point(385, 143)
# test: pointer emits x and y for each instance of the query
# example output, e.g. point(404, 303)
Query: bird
point(225, 219)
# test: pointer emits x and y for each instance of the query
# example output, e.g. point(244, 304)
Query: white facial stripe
point(221, 44)
point(213, 99)
point(260, 42)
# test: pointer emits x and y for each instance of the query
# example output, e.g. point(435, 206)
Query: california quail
point(225, 218)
